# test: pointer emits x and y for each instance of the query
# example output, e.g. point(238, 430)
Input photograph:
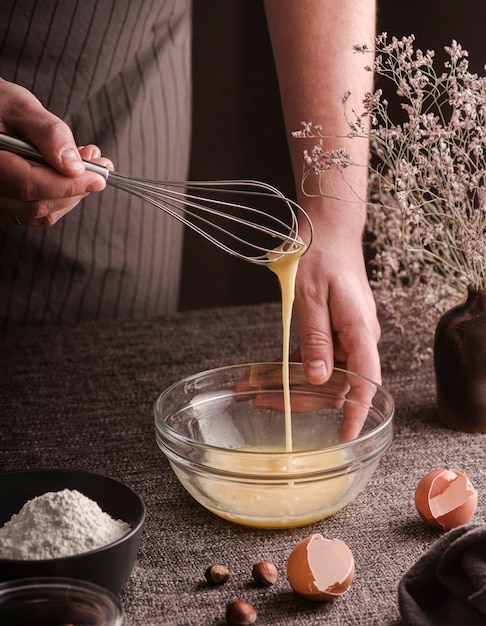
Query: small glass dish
point(57, 602)
point(224, 433)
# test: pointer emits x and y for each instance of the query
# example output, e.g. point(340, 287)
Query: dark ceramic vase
point(460, 365)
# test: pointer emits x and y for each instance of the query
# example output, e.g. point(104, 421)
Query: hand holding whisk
point(224, 212)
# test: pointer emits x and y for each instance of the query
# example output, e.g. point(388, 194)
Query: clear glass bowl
point(57, 602)
point(224, 433)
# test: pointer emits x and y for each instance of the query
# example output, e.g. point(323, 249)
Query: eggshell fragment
point(320, 569)
point(445, 499)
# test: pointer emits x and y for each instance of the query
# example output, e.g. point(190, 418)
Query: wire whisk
point(248, 219)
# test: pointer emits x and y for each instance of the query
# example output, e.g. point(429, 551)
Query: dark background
point(238, 128)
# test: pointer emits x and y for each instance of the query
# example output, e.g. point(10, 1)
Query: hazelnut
point(217, 574)
point(239, 613)
point(265, 573)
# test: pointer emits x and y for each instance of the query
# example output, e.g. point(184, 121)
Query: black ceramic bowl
point(109, 566)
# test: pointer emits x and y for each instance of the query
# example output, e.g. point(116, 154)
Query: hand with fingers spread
point(34, 195)
point(336, 310)
point(350, 395)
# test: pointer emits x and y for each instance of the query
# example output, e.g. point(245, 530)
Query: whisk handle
point(26, 150)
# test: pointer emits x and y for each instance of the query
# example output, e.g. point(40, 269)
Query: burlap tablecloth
point(82, 397)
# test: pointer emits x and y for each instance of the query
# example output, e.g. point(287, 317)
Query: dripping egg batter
point(299, 503)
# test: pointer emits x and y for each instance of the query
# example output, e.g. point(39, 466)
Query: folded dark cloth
point(447, 585)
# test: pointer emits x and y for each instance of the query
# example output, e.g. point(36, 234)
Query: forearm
point(313, 47)
point(316, 65)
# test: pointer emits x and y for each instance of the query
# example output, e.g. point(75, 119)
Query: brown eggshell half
point(320, 569)
point(445, 499)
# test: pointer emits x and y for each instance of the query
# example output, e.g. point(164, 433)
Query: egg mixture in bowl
point(229, 440)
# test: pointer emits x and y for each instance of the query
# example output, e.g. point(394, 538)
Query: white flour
point(58, 524)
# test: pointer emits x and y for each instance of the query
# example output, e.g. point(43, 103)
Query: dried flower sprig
point(427, 204)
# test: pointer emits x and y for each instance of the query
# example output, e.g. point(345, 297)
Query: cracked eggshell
point(320, 569)
point(445, 499)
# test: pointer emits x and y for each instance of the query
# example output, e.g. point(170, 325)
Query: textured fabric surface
point(81, 397)
point(119, 73)
point(447, 585)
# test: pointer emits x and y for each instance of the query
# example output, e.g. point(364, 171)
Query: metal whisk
point(217, 210)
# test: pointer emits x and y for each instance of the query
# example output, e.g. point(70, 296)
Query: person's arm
point(38, 196)
point(316, 65)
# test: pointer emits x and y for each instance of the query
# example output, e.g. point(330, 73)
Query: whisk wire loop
point(212, 208)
